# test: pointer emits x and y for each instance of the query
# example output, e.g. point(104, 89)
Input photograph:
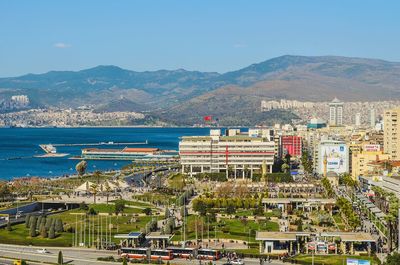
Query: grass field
point(331, 259)
point(227, 228)
point(20, 235)
point(110, 208)
point(76, 219)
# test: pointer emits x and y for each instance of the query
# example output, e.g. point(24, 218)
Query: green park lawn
point(139, 204)
point(120, 223)
point(20, 235)
point(227, 229)
point(73, 219)
point(331, 259)
point(110, 208)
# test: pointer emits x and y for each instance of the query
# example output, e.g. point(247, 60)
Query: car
point(237, 262)
point(42, 251)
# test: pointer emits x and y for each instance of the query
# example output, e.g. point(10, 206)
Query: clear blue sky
point(206, 35)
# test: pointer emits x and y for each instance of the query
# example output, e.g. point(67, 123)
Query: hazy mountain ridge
point(189, 94)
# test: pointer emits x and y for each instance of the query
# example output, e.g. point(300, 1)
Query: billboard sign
point(372, 147)
point(357, 262)
point(336, 156)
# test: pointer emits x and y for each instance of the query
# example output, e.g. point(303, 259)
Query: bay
point(22, 144)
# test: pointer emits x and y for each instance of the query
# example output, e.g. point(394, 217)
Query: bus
point(134, 253)
point(209, 254)
point(163, 254)
point(183, 253)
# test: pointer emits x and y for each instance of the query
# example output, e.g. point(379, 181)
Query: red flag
point(207, 118)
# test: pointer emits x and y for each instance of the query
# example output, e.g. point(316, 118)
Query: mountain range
point(183, 97)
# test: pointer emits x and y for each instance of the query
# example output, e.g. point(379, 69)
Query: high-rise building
point(336, 112)
point(391, 137)
point(358, 119)
point(372, 117)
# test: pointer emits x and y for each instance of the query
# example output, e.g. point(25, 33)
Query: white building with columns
point(238, 154)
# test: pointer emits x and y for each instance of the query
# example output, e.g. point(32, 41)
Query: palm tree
point(94, 190)
point(108, 190)
point(97, 175)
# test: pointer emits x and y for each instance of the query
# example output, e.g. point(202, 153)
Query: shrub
point(52, 232)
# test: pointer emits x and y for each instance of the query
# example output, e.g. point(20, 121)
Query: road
point(79, 256)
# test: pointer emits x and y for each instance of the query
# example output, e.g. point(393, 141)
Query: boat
point(48, 148)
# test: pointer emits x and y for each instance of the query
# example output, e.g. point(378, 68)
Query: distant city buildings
point(284, 104)
point(21, 99)
point(14, 103)
point(358, 120)
point(372, 117)
point(67, 118)
point(316, 123)
point(370, 112)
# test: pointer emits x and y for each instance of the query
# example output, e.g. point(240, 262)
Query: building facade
point(237, 154)
point(291, 144)
point(360, 161)
point(391, 140)
point(336, 112)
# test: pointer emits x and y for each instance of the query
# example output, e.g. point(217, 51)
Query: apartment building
point(361, 160)
point(391, 140)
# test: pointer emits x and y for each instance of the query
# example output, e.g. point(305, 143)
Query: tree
point(167, 213)
point(94, 189)
point(59, 227)
point(299, 225)
point(60, 258)
point(27, 219)
point(287, 158)
point(5, 192)
point(184, 211)
point(124, 261)
point(32, 229)
point(147, 211)
point(43, 231)
point(108, 190)
point(230, 209)
point(49, 221)
point(97, 175)
point(393, 259)
point(83, 206)
point(199, 206)
point(81, 167)
point(119, 206)
point(9, 228)
point(285, 167)
point(52, 232)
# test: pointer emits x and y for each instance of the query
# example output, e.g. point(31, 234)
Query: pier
point(101, 143)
